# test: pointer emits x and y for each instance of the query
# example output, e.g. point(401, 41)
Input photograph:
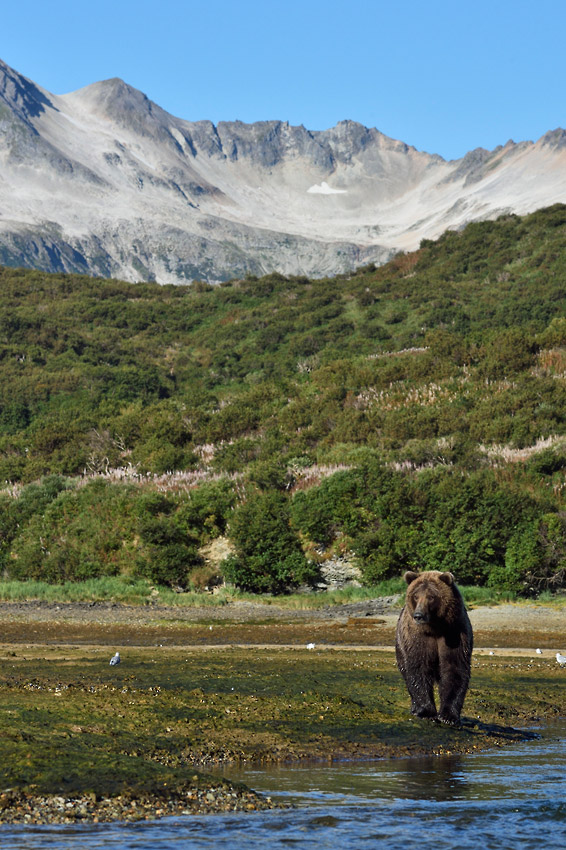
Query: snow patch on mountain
point(324, 189)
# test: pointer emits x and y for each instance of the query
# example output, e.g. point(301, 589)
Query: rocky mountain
point(104, 181)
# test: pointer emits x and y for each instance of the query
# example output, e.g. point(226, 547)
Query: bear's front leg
point(418, 670)
point(421, 691)
point(452, 687)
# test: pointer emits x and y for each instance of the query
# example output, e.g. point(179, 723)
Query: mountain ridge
point(103, 180)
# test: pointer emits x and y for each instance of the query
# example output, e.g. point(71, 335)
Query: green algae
point(71, 723)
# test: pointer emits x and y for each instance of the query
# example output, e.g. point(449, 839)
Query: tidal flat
point(82, 740)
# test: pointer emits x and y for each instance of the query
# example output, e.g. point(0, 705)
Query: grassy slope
point(100, 372)
point(448, 358)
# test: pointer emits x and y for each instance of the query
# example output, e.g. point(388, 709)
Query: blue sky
point(443, 76)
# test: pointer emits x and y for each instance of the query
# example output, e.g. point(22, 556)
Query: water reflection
point(512, 772)
point(439, 779)
point(512, 799)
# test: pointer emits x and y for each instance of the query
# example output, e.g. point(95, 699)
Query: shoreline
point(172, 710)
point(8, 649)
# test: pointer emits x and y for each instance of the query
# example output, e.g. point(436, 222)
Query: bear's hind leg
point(452, 691)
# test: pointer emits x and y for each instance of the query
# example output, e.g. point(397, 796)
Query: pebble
point(21, 807)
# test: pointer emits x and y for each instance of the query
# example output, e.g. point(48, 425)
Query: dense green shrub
point(99, 529)
point(535, 559)
point(508, 353)
point(429, 363)
point(269, 474)
point(437, 519)
point(205, 511)
point(80, 534)
point(469, 521)
point(546, 462)
point(386, 551)
point(269, 557)
point(332, 508)
point(167, 551)
point(17, 513)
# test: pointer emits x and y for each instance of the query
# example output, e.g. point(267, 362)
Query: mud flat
point(82, 740)
point(369, 623)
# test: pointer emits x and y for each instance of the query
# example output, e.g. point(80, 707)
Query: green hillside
point(413, 414)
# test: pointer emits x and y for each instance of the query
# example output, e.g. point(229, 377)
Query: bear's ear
point(447, 578)
point(410, 577)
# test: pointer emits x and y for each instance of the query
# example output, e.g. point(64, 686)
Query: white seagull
point(311, 645)
point(561, 659)
point(538, 651)
point(116, 659)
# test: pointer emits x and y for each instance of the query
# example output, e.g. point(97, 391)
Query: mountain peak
point(111, 97)
point(123, 106)
point(21, 95)
point(554, 138)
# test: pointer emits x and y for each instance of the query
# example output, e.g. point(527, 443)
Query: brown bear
point(433, 644)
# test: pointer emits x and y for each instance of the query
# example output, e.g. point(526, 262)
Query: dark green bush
point(386, 551)
point(16, 513)
point(269, 557)
point(437, 519)
point(167, 553)
point(169, 562)
point(546, 462)
point(508, 353)
point(536, 557)
point(206, 510)
point(469, 521)
point(269, 474)
point(80, 534)
point(96, 530)
point(330, 509)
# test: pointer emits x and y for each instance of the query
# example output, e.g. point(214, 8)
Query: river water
point(502, 800)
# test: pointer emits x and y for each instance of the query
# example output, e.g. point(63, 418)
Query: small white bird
point(311, 645)
point(561, 659)
point(538, 651)
point(116, 659)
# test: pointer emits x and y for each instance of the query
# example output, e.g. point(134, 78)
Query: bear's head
point(430, 597)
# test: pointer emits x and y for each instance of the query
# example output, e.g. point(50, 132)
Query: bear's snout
point(420, 616)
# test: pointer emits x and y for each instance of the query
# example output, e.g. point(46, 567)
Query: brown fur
point(434, 644)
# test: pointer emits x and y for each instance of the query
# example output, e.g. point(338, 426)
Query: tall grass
point(91, 590)
point(486, 595)
point(138, 591)
point(141, 591)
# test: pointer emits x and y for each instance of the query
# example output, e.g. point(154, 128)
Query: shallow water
point(503, 800)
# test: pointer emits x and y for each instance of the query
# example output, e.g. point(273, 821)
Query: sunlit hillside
point(413, 414)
